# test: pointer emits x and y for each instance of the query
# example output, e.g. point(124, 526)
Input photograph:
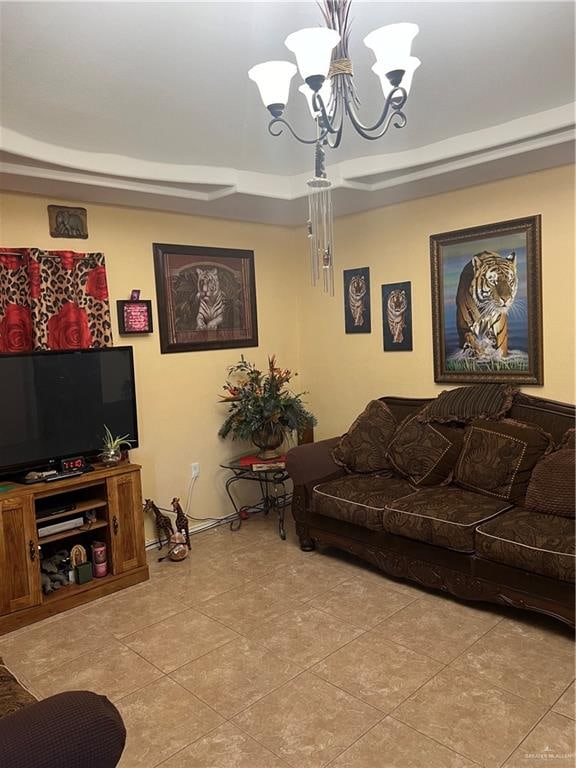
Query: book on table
point(267, 466)
point(258, 464)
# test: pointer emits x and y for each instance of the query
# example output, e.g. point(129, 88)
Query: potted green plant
point(111, 452)
point(262, 409)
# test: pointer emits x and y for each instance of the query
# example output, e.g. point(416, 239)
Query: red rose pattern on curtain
point(53, 300)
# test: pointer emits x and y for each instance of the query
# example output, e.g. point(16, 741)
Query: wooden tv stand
point(115, 496)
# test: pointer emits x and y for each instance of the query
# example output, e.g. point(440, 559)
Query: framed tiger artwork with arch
point(206, 297)
point(487, 303)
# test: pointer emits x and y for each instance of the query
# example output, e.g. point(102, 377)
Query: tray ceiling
point(149, 103)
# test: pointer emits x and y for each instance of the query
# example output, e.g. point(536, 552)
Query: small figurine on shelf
point(163, 522)
point(54, 571)
point(181, 520)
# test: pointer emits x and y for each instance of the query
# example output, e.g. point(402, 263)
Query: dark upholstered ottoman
point(76, 729)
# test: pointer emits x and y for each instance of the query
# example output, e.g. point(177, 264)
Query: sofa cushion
point(464, 404)
point(13, 695)
point(498, 457)
point(524, 539)
point(425, 453)
point(363, 448)
point(445, 516)
point(552, 489)
point(359, 499)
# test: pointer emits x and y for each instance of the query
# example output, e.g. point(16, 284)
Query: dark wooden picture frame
point(206, 297)
point(357, 310)
point(134, 317)
point(487, 303)
point(397, 317)
point(65, 221)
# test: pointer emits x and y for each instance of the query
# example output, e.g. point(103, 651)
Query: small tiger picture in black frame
point(397, 317)
point(357, 314)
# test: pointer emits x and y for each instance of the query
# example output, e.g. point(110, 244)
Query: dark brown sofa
point(76, 729)
point(443, 536)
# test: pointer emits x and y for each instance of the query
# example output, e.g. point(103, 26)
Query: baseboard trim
point(153, 543)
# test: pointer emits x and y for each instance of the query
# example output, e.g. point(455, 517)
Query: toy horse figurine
point(163, 523)
point(181, 520)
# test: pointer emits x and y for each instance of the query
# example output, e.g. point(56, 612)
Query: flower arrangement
point(260, 403)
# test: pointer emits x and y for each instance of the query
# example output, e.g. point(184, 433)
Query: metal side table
point(273, 492)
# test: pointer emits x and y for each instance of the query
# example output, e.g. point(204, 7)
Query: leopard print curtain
point(53, 300)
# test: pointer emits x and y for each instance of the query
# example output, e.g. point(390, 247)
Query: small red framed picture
point(134, 317)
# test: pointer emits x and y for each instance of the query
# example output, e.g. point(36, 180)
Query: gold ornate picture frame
point(487, 303)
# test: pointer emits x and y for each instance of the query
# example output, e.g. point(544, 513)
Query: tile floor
point(253, 654)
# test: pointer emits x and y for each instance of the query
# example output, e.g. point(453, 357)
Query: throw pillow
point(498, 457)
point(464, 404)
point(552, 489)
point(363, 448)
point(425, 453)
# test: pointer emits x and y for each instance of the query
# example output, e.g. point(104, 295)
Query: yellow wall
point(178, 409)
point(179, 415)
point(344, 371)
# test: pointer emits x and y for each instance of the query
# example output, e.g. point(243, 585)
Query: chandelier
point(326, 68)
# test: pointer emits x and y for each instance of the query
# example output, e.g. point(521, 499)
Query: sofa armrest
point(76, 729)
point(313, 462)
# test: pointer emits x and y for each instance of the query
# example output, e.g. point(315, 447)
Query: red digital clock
point(75, 464)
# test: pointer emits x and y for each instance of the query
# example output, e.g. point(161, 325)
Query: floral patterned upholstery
point(569, 439)
point(536, 543)
point(424, 453)
point(498, 457)
point(13, 695)
point(363, 448)
point(445, 516)
point(359, 499)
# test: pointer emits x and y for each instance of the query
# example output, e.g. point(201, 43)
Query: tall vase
point(268, 439)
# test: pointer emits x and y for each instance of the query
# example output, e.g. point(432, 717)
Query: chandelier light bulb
point(313, 50)
point(273, 81)
point(392, 43)
point(382, 68)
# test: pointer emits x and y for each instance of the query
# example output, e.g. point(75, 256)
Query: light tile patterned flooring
point(253, 654)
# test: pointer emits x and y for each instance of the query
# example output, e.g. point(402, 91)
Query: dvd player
point(43, 513)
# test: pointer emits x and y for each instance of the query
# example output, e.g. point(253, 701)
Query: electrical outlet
point(195, 469)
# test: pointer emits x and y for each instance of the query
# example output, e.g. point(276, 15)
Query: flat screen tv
point(54, 405)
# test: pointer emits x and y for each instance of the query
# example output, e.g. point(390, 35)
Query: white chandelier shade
point(325, 94)
point(392, 42)
point(313, 47)
point(323, 59)
point(273, 81)
point(382, 68)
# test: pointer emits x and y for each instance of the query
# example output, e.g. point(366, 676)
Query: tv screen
point(54, 405)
